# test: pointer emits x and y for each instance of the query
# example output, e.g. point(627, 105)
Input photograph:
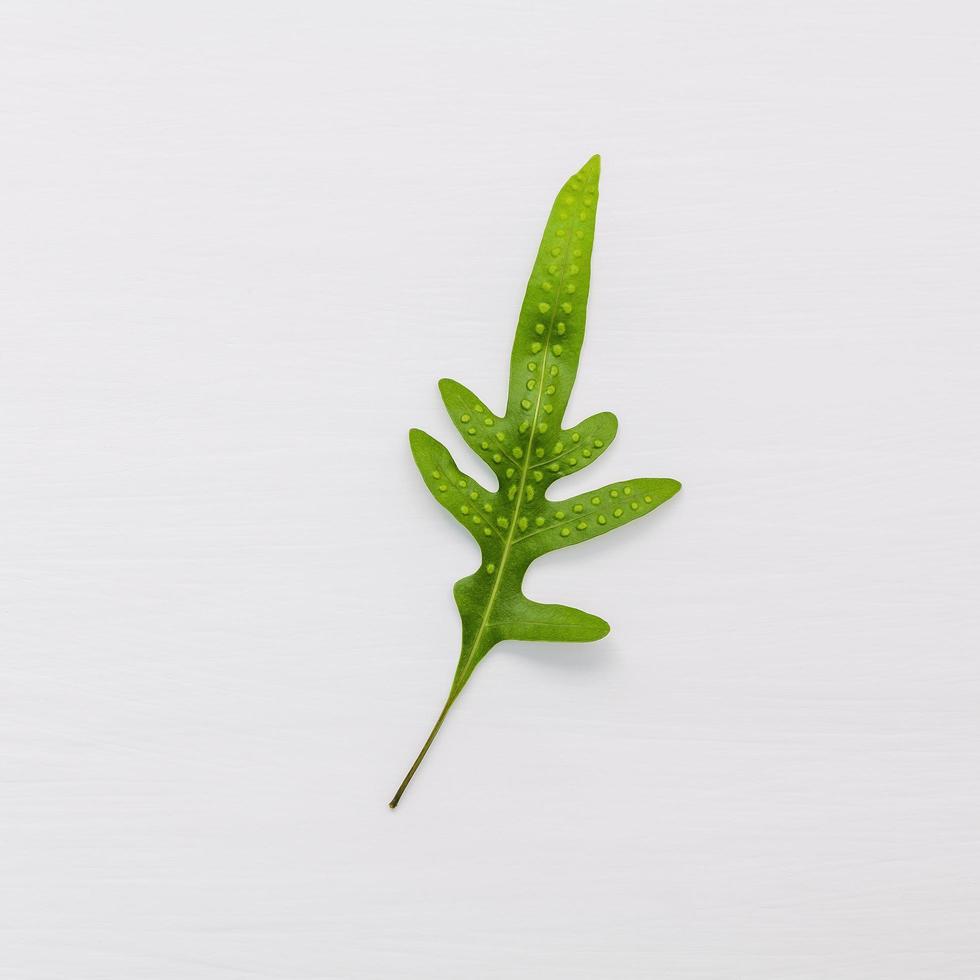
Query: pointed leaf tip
point(593, 165)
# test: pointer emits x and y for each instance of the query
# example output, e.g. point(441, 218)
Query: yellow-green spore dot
point(488, 421)
point(524, 426)
point(601, 518)
point(436, 474)
point(443, 488)
point(596, 501)
point(598, 443)
point(578, 508)
point(497, 458)
point(532, 365)
point(564, 533)
point(549, 408)
point(501, 522)
point(550, 390)
point(479, 409)
point(556, 350)
point(530, 384)
point(474, 495)
point(586, 453)
point(561, 329)
point(542, 308)
point(529, 494)
point(559, 515)
point(464, 417)
point(518, 452)
point(546, 286)
point(613, 493)
point(488, 508)
point(525, 404)
point(627, 490)
point(500, 437)
point(542, 427)
point(648, 499)
point(575, 437)
point(566, 307)
point(471, 430)
point(538, 476)
point(539, 521)
point(634, 505)
point(536, 347)
point(554, 370)
point(488, 531)
point(491, 568)
point(465, 509)
point(582, 525)
point(522, 523)
point(618, 512)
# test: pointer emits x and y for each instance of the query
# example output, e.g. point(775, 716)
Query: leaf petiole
point(425, 748)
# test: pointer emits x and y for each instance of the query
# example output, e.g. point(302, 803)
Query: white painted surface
point(241, 242)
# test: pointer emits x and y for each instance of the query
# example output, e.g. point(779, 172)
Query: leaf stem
point(425, 748)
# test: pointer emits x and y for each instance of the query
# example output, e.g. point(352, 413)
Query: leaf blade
point(525, 619)
point(575, 448)
point(551, 326)
point(462, 495)
point(589, 515)
point(489, 436)
point(529, 449)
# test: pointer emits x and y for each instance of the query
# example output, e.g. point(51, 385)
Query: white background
point(241, 242)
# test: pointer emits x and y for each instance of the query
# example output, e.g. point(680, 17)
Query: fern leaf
point(528, 449)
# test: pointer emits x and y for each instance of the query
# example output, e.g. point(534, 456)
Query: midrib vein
point(519, 500)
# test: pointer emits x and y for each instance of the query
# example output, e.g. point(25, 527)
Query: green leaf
point(528, 449)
